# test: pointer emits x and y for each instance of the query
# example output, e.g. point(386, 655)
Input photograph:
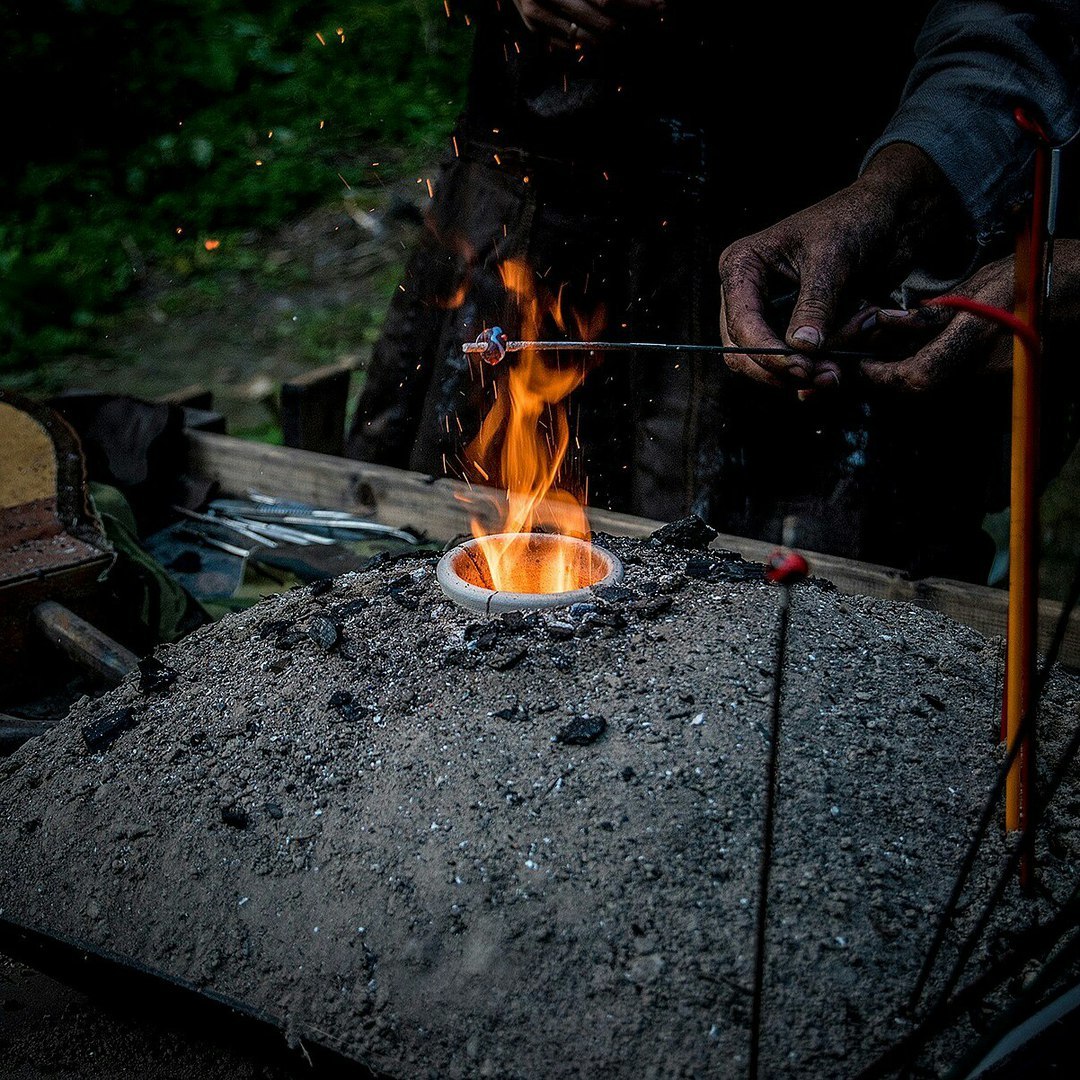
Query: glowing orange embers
point(522, 446)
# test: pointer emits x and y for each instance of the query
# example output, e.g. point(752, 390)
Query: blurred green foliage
point(136, 131)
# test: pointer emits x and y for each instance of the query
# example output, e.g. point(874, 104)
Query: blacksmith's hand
point(863, 240)
point(947, 345)
point(573, 23)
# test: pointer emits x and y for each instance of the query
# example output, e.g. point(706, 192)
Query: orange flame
point(522, 446)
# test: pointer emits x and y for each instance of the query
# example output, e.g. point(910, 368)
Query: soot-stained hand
point(854, 244)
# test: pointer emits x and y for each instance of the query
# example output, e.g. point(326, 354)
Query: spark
point(468, 21)
point(270, 134)
point(446, 7)
point(480, 469)
point(211, 245)
point(341, 34)
point(322, 124)
point(258, 161)
point(430, 189)
point(453, 139)
point(322, 40)
point(498, 160)
point(179, 230)
point(344, 181)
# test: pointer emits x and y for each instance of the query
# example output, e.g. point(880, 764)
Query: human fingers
point(747, 269)
point(967, 345)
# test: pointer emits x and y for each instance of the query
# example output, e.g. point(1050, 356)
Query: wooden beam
point(442, 508)
point(313, 409)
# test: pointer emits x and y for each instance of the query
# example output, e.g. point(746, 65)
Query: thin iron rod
point(767, 839)
point(655, 346)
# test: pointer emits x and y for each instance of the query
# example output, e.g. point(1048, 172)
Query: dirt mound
point(529, 846)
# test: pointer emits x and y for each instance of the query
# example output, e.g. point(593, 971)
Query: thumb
point(819, 291)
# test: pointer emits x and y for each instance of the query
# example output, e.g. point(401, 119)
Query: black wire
point(990, 806)
point(767, 839)
point(1033, 939)
point(1025, 1006)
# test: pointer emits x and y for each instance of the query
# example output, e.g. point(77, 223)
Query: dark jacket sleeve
point(975, 62)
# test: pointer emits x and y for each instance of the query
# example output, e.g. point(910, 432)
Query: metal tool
point(265, 508)
point(493, 345)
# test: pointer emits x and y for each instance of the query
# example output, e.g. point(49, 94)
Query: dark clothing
point(621, 177)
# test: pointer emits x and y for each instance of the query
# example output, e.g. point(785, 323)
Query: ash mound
point(529, 846)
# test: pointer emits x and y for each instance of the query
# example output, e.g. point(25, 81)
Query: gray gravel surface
point(529, 846)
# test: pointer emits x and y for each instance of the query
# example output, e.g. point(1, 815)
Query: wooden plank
point(442, 509)
point(313, 409)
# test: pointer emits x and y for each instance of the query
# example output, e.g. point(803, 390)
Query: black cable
point(990, 806)
point(1029, 943)
point(767, 839)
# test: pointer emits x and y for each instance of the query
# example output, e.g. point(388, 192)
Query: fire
point(522, 446)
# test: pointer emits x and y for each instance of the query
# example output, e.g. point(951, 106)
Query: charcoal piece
point(580, 610)
point(274, 811)
point(512, 712)
point(405, 600)
point(614, 594)
point(154, 676)
point(559, 660)
point(740, 570)
point(104, 731)
point(289, 639)
point(354, 713)
point(353, 607)
point(582, 730)
point(702, 568)
point(654, 607)
point(517, 622)
point(274, 628)
point(484, 634)
point(687, 532)
point(321, 587)
point(934, 701)
point(607, 617)
point(324, 632)
point(560, 631)
point(731, 569)
point(627, 774)
point(234, 817)
point(339, 698)
point(505, 660)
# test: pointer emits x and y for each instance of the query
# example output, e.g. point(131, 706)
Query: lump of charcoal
point(517, 622)
point(323, 632)
point(606, 616)
point(505, 660)
point(339, 698)
point(343, 611)
point(688, 532)
point(714, 570)
point(321, 587)
point(614, 594)
point(154, 676)
point(560, 631)
point(512, 712)
point(104, 731)
point(582, 730)
point(483, 634)
point(234, 817)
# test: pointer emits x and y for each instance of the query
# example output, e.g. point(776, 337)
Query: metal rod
point(482, 347)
